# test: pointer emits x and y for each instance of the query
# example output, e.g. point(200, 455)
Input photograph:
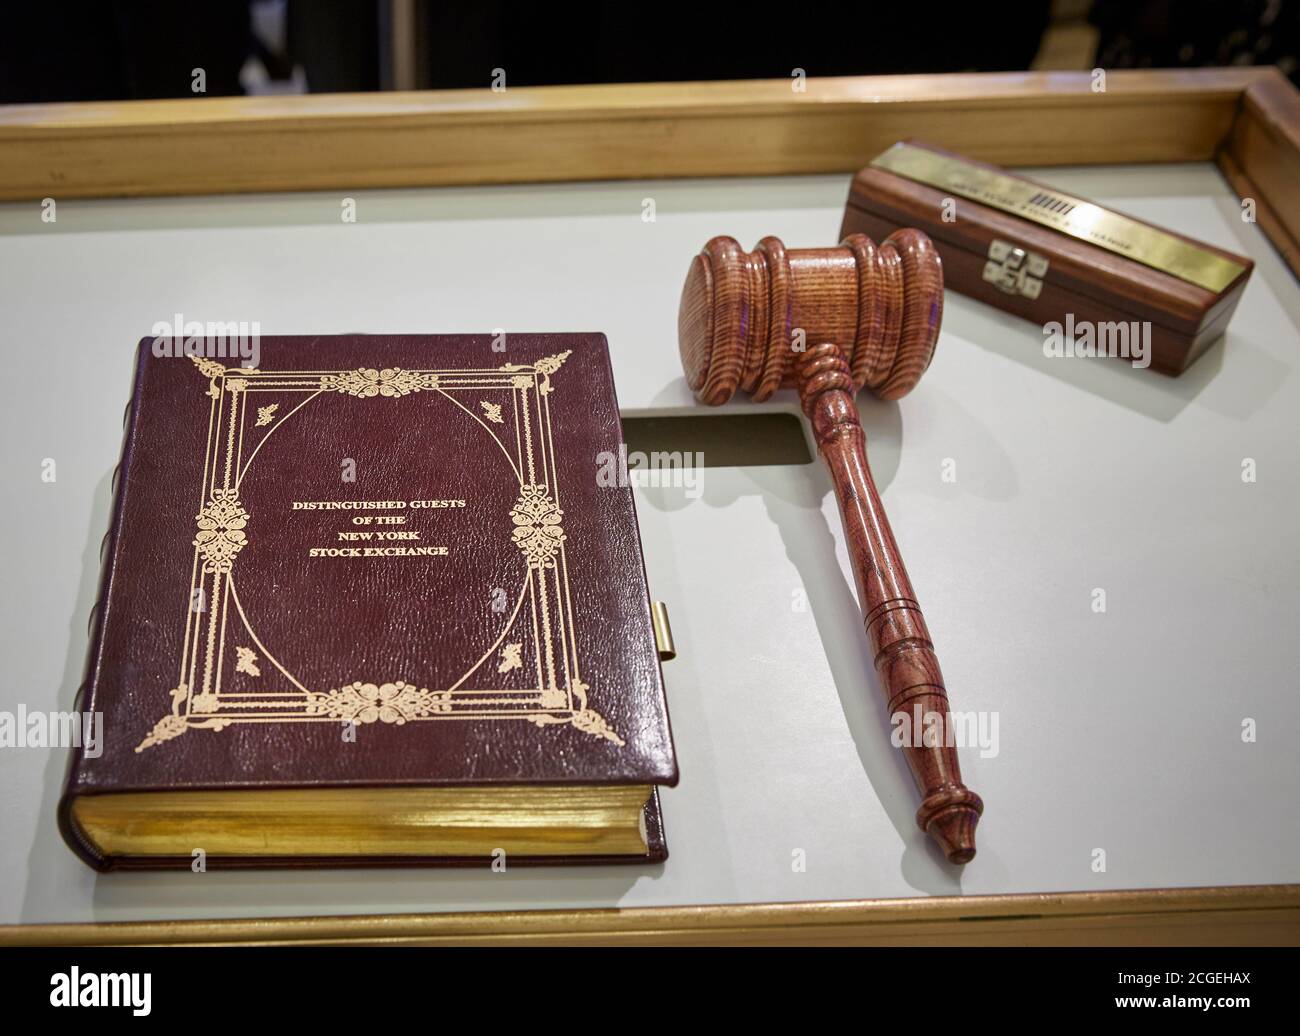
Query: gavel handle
point(896, 631)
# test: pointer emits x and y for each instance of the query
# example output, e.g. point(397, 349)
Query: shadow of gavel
point(829, 321)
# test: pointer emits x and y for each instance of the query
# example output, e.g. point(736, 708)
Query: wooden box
point(1099, 282)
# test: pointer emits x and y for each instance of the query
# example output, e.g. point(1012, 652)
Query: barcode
point(1052, 203)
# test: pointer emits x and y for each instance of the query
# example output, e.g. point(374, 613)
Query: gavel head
point(746, 316)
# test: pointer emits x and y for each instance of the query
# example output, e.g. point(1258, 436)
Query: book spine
point(85, 698)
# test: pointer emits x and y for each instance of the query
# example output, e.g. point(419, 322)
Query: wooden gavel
point(773, 317)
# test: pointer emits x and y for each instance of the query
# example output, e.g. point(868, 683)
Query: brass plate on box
point(1074, 216)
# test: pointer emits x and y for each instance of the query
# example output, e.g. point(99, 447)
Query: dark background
point(72, 50)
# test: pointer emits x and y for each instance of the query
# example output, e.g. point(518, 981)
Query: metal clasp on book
point(663, 631)
point(1015, 270)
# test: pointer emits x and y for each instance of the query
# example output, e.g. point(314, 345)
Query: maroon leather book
point(404, 535)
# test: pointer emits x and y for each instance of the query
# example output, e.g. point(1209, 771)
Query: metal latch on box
point(1015, 270)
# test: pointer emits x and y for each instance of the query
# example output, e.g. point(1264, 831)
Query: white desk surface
point(1119, 731)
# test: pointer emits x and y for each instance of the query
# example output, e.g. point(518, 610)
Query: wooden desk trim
point(640, 130)
point(1244, 915)
point(1245, 118)
point(1261, 160)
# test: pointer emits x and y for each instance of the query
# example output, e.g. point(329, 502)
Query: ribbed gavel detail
point(745, 316)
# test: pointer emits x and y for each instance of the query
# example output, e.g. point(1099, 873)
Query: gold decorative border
point(560, 696)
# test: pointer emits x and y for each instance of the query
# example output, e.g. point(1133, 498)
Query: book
point(372, 601)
